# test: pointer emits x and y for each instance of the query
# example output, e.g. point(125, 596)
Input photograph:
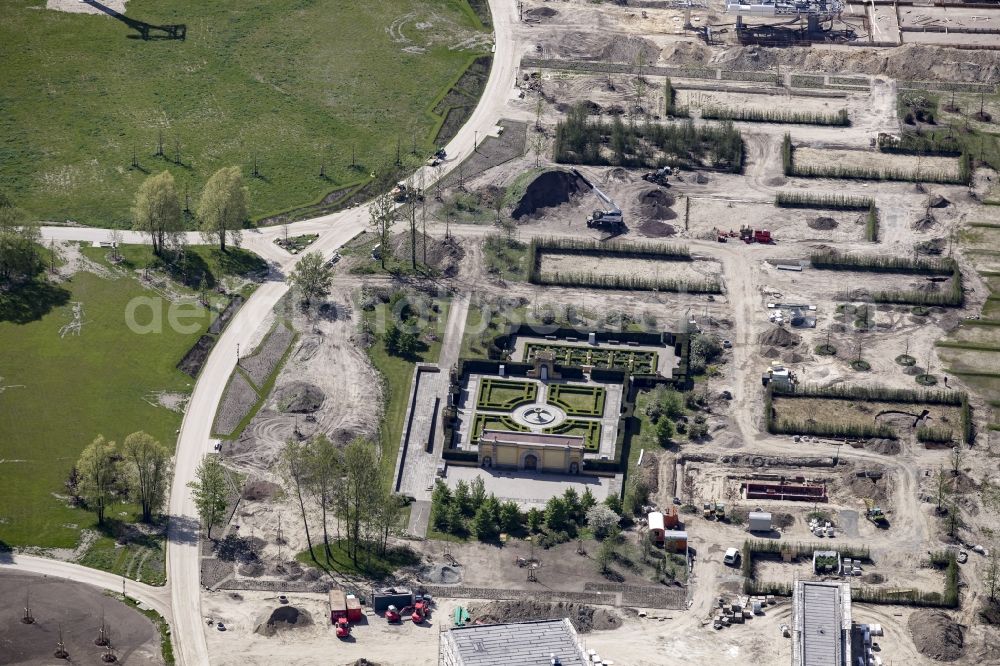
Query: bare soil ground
point(75, 609)
point(566, 264)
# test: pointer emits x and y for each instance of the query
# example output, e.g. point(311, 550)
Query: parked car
point(732, 556)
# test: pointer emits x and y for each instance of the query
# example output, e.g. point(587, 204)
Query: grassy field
point(296, 85)
point(62, 391)
point(397, 374)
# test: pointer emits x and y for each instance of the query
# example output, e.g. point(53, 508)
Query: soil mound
point(656, 205)
point(779, 337)
point(260, 490)
point(656, 229)
point(550, 189)
point(632, 50)
point(540, 13)
point(924, 223)
point(282, 619)
point(441, 574)
point(584, 618)
point(936, 635)
point(938, 201)
point(887, 447)
point(618, 175)
point(299, 398)
point(822, 223)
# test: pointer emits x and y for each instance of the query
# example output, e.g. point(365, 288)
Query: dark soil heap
point(283, 618)
point(779, 337)
point(822, 223)
point(550, 189)
point(584, 618)
point(299, 398)
point(656, 205)
point(936, 635)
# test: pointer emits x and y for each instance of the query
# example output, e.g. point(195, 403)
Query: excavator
point(609, 219)
point(874, 513)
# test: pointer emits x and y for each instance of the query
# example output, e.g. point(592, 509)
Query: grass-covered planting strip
point(637, 361)
point(370, 563)
point(485, 421)
point(589, 430)
point(578, 400)
point(954, 295)
point(822, 201)
point(751, 115)
point(935, 435)
point(581, 139)
point(505, 394)
point(297, 87)
point(622, 249)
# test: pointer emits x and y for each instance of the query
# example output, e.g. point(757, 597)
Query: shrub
point(935, 435)
point(822, 201)
point(838, 119)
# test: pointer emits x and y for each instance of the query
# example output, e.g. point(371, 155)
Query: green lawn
point(145, 562)
point(369, 564)
point(64, 391)
point(397, 373)
point(589, 430)
point(578, 400)
point(505, 395)
point(295, 84)
point(484, 421)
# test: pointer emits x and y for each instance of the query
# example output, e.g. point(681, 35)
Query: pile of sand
point(779, 337)
point(887, 447)
point(936, 635)
point(656, 205)
point(550, 189)
point(822, 223)
point(584, 618)
point(539, 13)
point(282, 619)
point(299, 398)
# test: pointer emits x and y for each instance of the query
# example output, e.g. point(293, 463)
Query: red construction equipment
point(751, 235)
point(338, 605)
point(343, 628)
point(392, 615)
point(420, 611)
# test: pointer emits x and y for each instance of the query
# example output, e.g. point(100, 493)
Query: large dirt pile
point(936, 635)
point(656, 205)
point(779, 337)
point(631, 50)
point(584, 618)
point(441, 574)
point(299, 398)
point(822, 223)
point(550, 189)
point(282, 619)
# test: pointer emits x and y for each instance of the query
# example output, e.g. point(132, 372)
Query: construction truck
point(658, 177)
point(609, 219)
point(874, 513)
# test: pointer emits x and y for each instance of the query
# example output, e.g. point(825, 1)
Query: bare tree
point(381, 214)
point(295, 468)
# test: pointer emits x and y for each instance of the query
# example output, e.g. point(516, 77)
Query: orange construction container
point(353, 609)
point(670, 518)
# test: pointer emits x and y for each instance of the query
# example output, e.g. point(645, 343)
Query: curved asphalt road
point(183, 608)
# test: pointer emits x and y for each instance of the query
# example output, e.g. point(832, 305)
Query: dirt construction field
point(75, 609)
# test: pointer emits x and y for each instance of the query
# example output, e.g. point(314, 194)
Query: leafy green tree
point(614, 503)
point(442, 501)
point(390, 339)
point(98, 468)
point(311, 276)
point(510, 517)
point(381, 214)
point(636, 495)
point(484, 524)
point(325, 470)
point(157, 210)
point(210, 492)
point(359, 491)
point(477, 490)
point(19, 260)
point(557, 514)
point(386, 514)
point(602, 520)
point(606, 554)
point(664, 431)
point(587, 500)
point(573, 505)
point(148, 464)
point(535, 519)
point(295, 468)
point(223, 206)
point(463, 500)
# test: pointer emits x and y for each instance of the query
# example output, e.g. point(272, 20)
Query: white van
point(732, 556)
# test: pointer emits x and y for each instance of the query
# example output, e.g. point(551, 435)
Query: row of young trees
point(222, 208)
point(137, 470)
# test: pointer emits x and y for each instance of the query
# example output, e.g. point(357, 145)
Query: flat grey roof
point(516, 644)
point(821, 625)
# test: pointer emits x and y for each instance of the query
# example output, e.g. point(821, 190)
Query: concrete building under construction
point(821, 629)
